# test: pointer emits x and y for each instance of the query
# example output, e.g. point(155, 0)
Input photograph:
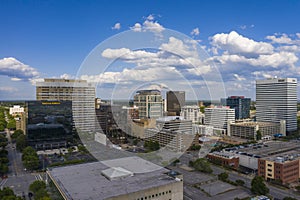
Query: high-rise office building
point(175, 101)
point(276, 100)
point(219, 116)
point(240, 104)
point(80, 92)
point(149, 103)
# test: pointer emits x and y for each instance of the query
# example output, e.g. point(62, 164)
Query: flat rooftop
point(254, 124)
point(285, 157)
point(267, 149)
point(89, 181)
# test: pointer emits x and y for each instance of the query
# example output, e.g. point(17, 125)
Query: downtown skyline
point(246, 41)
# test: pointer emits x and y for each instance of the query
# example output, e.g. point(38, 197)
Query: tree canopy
point(258, 186)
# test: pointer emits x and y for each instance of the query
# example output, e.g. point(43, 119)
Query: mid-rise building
point(192, 113)
point(150, 103)
point(276, 99)
point(175, 101)
point(80, 92)
point(172, 132)
point(248, 130)
point(218, 116)
point(240, 104)
point(284, 168)
point(49, 124)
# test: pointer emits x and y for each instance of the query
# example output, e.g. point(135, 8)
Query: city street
point(18, 179)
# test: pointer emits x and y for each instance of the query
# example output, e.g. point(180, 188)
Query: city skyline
point(245, 40)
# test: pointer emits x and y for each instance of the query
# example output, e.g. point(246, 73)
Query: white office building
point(192, 113)
point(16, 110)
point(276, 100)
point(219, 116)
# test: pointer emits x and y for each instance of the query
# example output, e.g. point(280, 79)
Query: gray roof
point(86, 181)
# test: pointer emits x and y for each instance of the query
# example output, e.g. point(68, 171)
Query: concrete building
point(117, 179)
point(284, 168)
point(248, 130)
point(276, 99)
point(150, 103)
point(16, 110)
point(192, 113)
point(175, 102)
point(218, 116)
point(224, 158)
point(80, 92)
point(240, 104)
point(172, 132)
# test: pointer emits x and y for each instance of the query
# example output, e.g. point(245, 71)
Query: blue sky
point(246, 40)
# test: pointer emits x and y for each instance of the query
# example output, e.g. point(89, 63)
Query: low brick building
point(224, 158)
point(283, 168)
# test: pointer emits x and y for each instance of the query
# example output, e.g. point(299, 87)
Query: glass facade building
point(49, 124)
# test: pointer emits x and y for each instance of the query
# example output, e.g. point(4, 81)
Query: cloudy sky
point(210, 49)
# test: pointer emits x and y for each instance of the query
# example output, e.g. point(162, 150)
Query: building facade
point(50, 124)
point(219, 116)
point(276, 99)
point(241, 105)
point(149, 103)
point(192, 113)
point(80, 92)
point(282, 168)
point(172, 132)
point(248, 130)
point(175, 101)
point(224, 158)
point(16, 110)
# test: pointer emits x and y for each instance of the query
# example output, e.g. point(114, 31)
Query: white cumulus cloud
point(235, 43)
point(17, 70)
point(195, 32)
point(117, 26)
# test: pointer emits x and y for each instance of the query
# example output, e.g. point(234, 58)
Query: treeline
point(11, 124)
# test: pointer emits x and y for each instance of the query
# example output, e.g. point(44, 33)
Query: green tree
point(3, 141)
point(8, 194)
point(258, 135)
point(258, 186)
point(37, 185)
point(202, 165)
point(195, 147)
point(16, 134)
point(240, 182)
point(30, 158)
point(31, 162)
point(3, 169)
point(39, 190)
point(11, 124)
point(151, 145)
point(202, 109)
point(223, 176)
point(289, 198)
point(21, 142)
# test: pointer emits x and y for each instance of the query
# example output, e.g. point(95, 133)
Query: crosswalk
point(2, 183)
point(38, 177)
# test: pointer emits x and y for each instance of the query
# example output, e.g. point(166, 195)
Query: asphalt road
point(18, 179)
